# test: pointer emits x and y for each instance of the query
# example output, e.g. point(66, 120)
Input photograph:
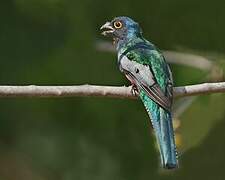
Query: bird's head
point(121, 28)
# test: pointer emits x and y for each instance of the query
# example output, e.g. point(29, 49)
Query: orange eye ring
point(117, 24)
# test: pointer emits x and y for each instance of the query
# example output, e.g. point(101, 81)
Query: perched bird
point(150, 76)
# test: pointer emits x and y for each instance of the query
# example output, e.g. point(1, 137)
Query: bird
point(145, 67)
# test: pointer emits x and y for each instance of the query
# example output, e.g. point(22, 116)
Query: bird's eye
point(117, 24)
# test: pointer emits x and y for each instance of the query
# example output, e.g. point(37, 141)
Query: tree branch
point(101, 91)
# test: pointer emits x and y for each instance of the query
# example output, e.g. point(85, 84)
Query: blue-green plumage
point(162, 124)
point(145, 67)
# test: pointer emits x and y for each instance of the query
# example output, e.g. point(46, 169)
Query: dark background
point(52, 42)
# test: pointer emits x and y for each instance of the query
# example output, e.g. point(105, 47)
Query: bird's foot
point(134, 90)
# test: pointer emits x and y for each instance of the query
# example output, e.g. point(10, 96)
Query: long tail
point(162, 124)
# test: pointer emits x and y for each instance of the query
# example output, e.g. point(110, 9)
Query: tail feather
point(162, 125)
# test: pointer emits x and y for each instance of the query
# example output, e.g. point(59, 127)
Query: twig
point(187, 59)
point(101, 91)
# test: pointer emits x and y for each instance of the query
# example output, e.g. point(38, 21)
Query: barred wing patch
point(144, 79)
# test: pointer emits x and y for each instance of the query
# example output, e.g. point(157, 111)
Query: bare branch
point(187, 59)
point(199, 89)
point(101, 91)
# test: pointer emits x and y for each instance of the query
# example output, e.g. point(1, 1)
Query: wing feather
point(156, 82)
point(154, 92)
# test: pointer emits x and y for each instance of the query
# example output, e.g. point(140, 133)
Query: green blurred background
point(52, 42)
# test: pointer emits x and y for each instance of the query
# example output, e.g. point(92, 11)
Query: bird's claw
point(134, 90)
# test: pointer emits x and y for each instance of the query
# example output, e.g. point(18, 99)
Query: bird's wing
point(150, 73)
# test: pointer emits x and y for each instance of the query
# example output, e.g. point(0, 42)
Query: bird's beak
point(107, 29)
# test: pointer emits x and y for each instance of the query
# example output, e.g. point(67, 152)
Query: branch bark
point(101, 91)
